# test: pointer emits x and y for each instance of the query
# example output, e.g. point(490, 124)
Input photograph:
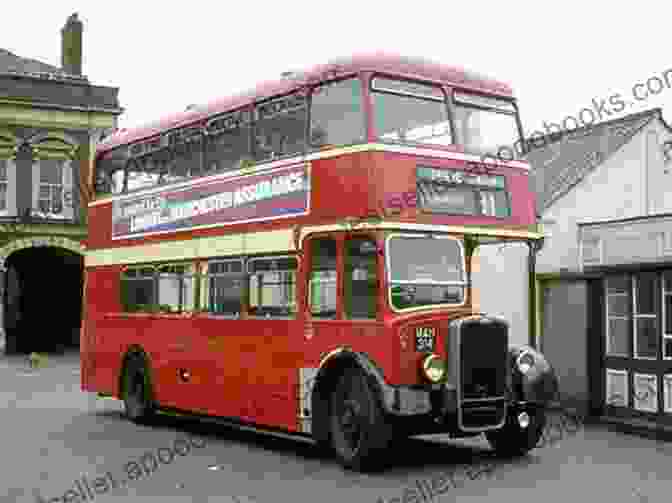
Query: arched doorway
point(43, 299)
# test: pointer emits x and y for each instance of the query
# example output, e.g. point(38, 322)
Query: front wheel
point(359, 430)
point(514, 439)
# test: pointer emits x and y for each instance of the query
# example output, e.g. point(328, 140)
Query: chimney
point(71, 46)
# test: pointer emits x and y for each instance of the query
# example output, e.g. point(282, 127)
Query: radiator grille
point(483, 347)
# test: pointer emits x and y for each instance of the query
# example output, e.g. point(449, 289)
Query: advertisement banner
point(280, 193)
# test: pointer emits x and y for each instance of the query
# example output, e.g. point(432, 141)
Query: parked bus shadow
point(413, 456)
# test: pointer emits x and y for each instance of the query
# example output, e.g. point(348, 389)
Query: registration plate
point(425, 339)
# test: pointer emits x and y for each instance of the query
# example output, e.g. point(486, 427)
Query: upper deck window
point(228, 142)
point(280, 127)
point(410, 112)
point(487, 125)
point(336, 114)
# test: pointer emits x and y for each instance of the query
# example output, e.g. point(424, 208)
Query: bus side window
point(272, 287)
point(322, 287)
point(176, 288)
point(224, 287)
point(280, 127)
point(361, 278)
point(138, 289)
point(337, 114)
point(228, 142)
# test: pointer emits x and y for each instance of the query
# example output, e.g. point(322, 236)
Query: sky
point(559, 57)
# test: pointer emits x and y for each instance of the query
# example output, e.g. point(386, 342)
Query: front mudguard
point(539, 385)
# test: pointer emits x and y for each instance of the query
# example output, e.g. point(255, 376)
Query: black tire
point(137, 391)
point(512, 440)
point(359, 430)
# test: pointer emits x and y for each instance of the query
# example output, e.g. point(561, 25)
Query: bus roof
point(413, 68)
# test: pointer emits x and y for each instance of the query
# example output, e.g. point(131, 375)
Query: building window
point(50, 198)
point(322, 293)
point(618, 315)
point(667, 315)
point(591, 251)
point(645, 392)
point(4, 184)
point(665, 243)
point(224, 287)
point(645, 319)
point(617, 388)
point(272, 287)
point(667, 392)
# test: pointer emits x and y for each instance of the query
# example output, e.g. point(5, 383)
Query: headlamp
point(433, 368)
point(525, 362)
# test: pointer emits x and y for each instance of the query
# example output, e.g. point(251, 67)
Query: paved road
point(52, 435)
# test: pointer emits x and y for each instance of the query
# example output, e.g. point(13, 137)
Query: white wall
point(500, 282)
point(615, 190)
point(660, 171)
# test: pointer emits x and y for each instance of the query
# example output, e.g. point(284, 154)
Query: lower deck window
point(165, 288)
point(272, 287)
point(138, 292)
point(224, 287)
point(176, 288)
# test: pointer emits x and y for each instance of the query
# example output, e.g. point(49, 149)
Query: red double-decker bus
point(298, 258)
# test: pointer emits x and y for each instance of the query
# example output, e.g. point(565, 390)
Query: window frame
point(664, 294)
point(248, 278)
point(608, 316)
point(338, 278)
point(247, 123)
point(62, 165)
point(667, 397)
point(363, 112)
point(635, 398)
point(389, 76)
point(205, 282)
point(7, 184)
point(155, 292)
point(388, 272)
point(182, 276)
point(609, 372)
point(455, 103)
point(636, 316)
point(256, 120)
point(599, 247)
point(345, 240)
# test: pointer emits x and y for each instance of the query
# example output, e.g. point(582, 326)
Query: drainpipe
point(534, 247)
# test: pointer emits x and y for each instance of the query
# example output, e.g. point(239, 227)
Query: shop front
point(631, 359)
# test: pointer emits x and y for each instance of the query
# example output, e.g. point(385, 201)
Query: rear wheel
point(515, 440)
point(359, 430)
point(137, 391)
